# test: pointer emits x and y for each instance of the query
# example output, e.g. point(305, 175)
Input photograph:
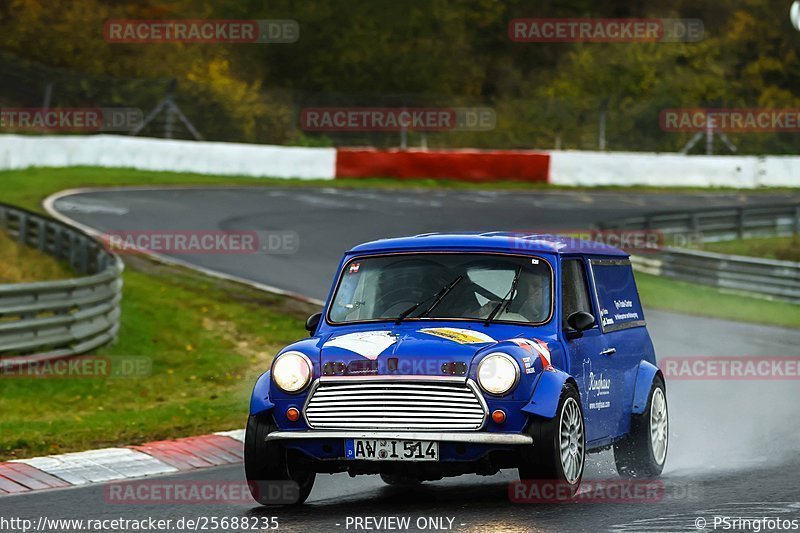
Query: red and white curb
point(114, 464)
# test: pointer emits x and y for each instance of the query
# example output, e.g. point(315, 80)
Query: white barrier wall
point(672, 170)
point(573, 168)
point(780, 171)
point(20, 151)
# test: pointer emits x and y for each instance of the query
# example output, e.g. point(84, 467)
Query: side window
point(620, 307)
point(574, 289)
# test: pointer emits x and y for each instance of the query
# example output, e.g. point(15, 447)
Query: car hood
point(415, 350)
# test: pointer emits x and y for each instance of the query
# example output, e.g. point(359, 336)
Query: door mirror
point(580, 320)
point(313, 322)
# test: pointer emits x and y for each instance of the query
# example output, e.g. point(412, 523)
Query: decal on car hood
point(369, 344)
point(459, 335)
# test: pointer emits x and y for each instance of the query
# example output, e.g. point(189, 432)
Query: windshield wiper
point(441, 295)
point(438, 297)
point(506, 299)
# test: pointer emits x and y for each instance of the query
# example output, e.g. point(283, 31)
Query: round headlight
point(291, 371)
point(498, 373)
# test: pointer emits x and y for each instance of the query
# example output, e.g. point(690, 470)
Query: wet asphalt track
point(734, 445)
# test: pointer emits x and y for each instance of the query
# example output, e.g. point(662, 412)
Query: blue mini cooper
point(444, 354)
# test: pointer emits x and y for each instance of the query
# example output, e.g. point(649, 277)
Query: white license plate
point(391, 450)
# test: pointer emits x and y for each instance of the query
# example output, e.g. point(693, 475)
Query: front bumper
point(467, 438)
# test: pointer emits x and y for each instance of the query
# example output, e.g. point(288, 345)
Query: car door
point(590, 354)
point(623, 325)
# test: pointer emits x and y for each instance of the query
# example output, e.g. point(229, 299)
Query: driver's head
point(530, 299)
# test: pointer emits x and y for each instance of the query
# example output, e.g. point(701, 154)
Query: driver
point(533, 297)
point(531, 302)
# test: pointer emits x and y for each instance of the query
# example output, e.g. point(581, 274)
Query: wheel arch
point(547, 393)
point(260, 401)
point(646, 374)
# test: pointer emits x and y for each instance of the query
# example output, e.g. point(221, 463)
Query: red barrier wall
point(464, 165)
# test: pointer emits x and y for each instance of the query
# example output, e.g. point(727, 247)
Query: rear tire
point(643, 452)
point(558, 453)
point(267, 465)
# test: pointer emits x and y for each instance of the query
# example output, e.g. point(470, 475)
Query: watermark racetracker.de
point(604, 30)
point(72, 119)
point(390, 119)
point(730, 120)
point(646, 491)
point(78, 367)
point(202, 242)
point(199, 492)
point(405, 367)
point(137, 31)
point(755, 368)
point(633, 241)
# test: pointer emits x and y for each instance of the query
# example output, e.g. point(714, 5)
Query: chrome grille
point(396, 404)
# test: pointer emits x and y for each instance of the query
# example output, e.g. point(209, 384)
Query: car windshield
point(444, 286)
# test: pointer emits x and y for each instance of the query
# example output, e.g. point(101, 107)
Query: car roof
point(495, 241)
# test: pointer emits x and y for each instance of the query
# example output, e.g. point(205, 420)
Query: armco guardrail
point(65, 317)
point(777, 279)
point(719, 224)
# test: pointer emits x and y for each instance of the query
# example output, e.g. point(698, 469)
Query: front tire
point(267, 465)
point(558, 453)
point(643, 452)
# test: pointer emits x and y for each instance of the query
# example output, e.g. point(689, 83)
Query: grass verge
point(22, 264)
point(693, 299)
point(206, 341)
point(783, 248)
